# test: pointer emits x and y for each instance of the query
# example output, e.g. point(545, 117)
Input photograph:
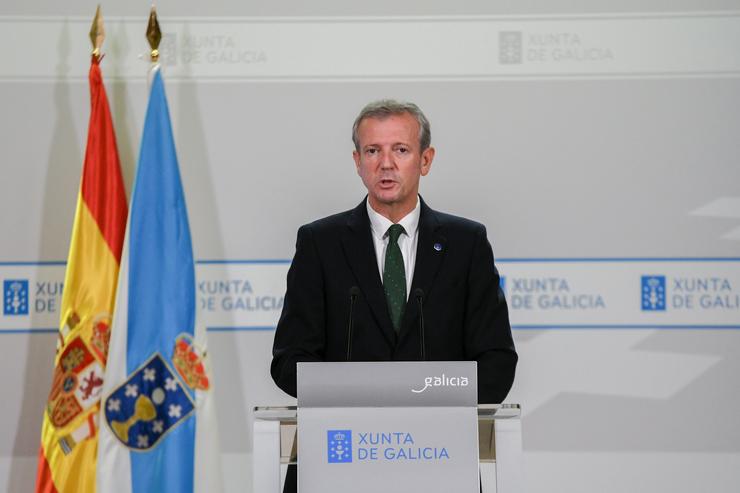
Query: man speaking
point(393, 279)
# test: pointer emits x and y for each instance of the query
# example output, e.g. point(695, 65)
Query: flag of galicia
point(159, 417)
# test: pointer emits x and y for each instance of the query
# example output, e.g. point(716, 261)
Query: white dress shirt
point(406, 242)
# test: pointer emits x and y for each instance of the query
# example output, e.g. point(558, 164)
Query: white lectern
point(391, 427)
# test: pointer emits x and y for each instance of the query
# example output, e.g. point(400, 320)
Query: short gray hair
point(385, 108)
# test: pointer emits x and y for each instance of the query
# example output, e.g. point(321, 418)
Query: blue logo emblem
point(147, 406)
point(339, 446)
point(653, 293)
point(15, 297)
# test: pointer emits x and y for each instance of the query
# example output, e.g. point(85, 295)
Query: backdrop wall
point(597, 142)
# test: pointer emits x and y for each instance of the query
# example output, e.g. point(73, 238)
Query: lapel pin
point(438, 247)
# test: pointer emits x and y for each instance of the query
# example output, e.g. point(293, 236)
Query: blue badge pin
point(438, 247)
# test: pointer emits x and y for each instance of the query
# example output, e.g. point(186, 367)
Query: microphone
point(354, 292)
point(419, 295)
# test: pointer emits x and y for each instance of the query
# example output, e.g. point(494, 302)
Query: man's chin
point(385, 198)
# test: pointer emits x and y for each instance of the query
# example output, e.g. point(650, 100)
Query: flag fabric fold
point(69, 435)
point(158, 432)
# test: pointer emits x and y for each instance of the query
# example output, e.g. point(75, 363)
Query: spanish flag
point(69, 435)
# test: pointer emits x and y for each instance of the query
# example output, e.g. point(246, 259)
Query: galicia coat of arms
point(148, 405)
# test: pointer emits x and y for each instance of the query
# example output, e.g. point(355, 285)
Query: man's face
point(390, 161)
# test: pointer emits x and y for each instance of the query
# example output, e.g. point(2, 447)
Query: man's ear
point(427, 156)
point(356, 157)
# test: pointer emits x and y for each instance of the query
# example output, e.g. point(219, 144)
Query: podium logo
point(339, 446)
point(15, 297)
point(653, 293)
point(442, 381)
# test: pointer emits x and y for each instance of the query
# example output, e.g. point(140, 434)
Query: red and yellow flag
point(69, 438)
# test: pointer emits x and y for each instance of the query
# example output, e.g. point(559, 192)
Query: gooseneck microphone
point(419, 295)
point(354, 292)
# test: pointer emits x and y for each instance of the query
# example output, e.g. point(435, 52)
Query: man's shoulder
point(330, 223)
point(340, 220)
point(457, 223)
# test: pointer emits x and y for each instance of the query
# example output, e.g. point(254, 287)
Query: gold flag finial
point(97, 32)
point(153, 34)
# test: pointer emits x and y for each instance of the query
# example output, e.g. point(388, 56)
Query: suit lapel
point(360, 251)
point(430, 250)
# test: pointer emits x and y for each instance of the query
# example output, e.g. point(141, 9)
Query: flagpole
point(97, 34)
point(154, 36)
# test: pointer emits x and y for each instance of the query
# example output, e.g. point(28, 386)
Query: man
point(389, 262)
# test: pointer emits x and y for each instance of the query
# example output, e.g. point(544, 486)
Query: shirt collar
point(380, 224)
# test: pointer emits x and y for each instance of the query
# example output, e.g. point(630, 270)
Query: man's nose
point(386, 159)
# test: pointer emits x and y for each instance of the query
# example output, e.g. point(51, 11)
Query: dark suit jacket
point(464, 310)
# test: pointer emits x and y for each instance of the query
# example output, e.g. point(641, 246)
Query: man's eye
point(402, 150)
point(371, 151)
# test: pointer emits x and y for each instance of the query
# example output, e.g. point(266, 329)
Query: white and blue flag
point(160, 426)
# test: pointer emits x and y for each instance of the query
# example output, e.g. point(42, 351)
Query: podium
point(391, 427)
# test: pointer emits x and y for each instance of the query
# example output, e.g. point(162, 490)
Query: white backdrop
point(598, 143)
